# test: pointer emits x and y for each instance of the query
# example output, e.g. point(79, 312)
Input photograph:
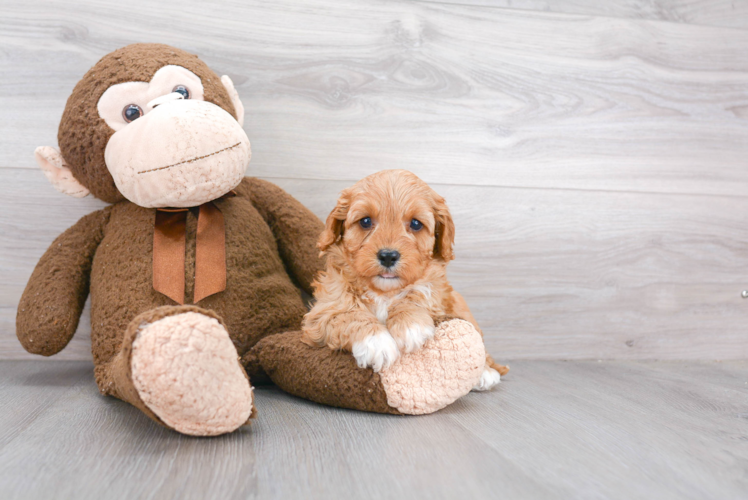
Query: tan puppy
point(388, 242)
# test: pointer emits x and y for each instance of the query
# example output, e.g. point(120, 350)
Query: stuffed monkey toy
point(193, 264)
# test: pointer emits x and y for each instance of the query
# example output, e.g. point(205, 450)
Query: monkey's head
point(152, 124)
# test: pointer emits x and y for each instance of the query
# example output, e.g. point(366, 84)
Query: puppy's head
point(389, 227)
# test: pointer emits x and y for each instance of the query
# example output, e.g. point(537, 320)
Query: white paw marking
point(377, 351)
point(416, 335)
point(488, 380)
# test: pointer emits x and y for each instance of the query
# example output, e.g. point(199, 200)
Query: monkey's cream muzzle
point(182, 153)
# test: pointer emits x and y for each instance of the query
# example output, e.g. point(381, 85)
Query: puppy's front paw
point(411, 336)
point(377, 351)
point(488, 380)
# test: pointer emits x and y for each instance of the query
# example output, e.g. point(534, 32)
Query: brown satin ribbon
point(168, 253)
point(210, 253)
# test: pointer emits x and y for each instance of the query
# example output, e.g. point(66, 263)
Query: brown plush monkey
point(192, 264)
point(148, 127)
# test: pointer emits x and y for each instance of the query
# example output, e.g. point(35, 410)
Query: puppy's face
point(389, 227)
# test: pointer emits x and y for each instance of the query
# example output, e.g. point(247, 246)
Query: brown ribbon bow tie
point(169, 239)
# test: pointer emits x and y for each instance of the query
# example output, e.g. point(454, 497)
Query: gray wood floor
point(617, 429)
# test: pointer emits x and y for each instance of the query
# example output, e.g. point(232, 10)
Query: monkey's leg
point(178, 365)
point(424, 381)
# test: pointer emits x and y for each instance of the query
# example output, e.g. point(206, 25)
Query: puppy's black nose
point(388, 257)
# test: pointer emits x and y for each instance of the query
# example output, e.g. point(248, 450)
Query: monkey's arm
point(52, 303)
point(295, 227)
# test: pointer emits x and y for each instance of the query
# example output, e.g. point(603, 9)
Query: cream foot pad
point(186, 370)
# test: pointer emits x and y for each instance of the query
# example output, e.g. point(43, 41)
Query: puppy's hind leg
point(502, 369)
point(489, 379)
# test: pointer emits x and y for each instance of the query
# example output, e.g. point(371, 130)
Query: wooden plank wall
point(594, 153)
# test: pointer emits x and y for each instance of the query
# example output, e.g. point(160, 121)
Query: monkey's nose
point(388, 257)
point(165, 98)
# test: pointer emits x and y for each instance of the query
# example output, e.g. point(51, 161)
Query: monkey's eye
point(365, 223)
point(132, 112)
point(416, 225)
point(182, 90)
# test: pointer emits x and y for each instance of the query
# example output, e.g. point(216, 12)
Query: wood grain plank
point(458, 94)
point(107, 448)
point(552, 429)
point(412, 455)
point(656, 430)
point(725, 13)
point(294, 449)
point(28, 393)
point(548, 273)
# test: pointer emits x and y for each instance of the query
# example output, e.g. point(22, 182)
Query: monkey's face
point(171, 148)
point(152, 124)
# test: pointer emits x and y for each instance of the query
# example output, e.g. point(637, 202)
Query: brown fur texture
point(270, 237)
point(83, 135)
point(321, 375)
point(354, 301)
point(114, 245)
point(270, 244)
point(52, 303)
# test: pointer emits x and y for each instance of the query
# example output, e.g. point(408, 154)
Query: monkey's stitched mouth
point(190, 161)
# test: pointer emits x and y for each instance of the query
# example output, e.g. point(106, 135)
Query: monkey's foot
point(186, 371)
point(443, 370)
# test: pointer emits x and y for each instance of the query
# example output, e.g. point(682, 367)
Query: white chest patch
point(382, 311)
point(382, 303)
point(380, 306)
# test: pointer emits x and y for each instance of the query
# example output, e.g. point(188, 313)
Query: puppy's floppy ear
point(335, 224)
point(444, 232)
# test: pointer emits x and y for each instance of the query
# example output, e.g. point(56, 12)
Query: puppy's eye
point(132, 112)
point(365, 223)
point(182, 90)
point(416, 225)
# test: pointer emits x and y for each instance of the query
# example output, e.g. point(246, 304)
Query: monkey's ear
point(234, 95)
point(57, 172)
